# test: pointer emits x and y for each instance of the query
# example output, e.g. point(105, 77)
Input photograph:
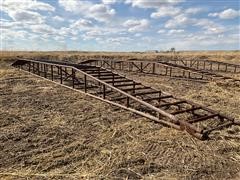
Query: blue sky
point(120, 25)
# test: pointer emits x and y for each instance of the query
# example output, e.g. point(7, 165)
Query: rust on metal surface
point(163, 68)
point(130, 95)
point(206, 65)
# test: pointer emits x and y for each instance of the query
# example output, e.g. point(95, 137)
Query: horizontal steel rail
point(206, 65)
point(151, 68)
point(148, 102)
point(159, 68)
point(212, 74)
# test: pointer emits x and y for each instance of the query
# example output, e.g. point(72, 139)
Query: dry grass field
point(50, 132)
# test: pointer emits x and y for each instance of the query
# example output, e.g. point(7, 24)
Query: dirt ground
point(50, 132)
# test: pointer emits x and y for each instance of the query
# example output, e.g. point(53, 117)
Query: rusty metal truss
point(205, 65)
point(130, 95)
point(159, 68)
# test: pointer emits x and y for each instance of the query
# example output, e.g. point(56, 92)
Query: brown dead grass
point(50, 132)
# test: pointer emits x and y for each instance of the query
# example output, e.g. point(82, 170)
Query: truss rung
point(145, 93)
point(104, 75)
point(157, 98)
point(122, 85)
point(203, 118)
point(119, 98)
point(101, 92)
point(98, 88)
point(121, 81)
point(94, 71)
point(101, 74)
point(186, 110)
point(85, 68)
point(227, 124)
point(137, 88)
point(173, 103)
point(107, 78)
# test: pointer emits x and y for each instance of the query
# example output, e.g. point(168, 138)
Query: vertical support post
point(61, 78)
point(45, 70)
point(113, 79)
point(29, 66)
point(183, 73)
point(111, 65)
point(134, 86)
point(38, 69)
point(197, 64)
point(99, 72)
point(204, 65)
point(73, 78)
point(166, 71)
point(52, 72)
point(153, 70)
point(65, 71)
point(226, 68)
point(218, 66)
point(41, 69)
point(128, 102)
point(33, 67)
point(170, 71)
point(85, 83)
point(141, 66)
point(104, 91)
point(211, 66)
point(159, 95)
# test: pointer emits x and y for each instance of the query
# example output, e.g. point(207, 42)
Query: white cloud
point(180, 20)
point(99, 12)
point(194, 10)
point(166, 11)
point(226, 14)
point(210, 26)
point(174, 11)
point(6, 24)
point(134, 25)
point(109, 1)
point(13, 5)
point(229, 14)
point(43, 29)
point(82, 24)
point(25, 11)
point(14, 34)
point(58, 18)
point(93, 34)
point(152, 3)
point(26, 16)
point(175, 31)
point(75, 6)
point(119, 40)
point(213, 14)
point(161, 31)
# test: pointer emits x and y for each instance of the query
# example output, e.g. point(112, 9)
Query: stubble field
point(48, 131)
